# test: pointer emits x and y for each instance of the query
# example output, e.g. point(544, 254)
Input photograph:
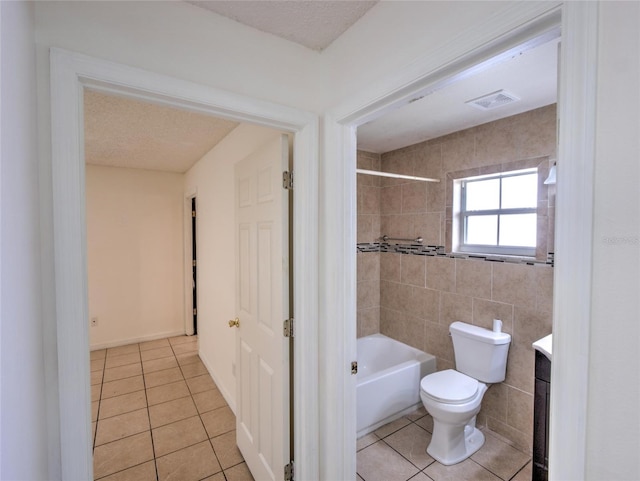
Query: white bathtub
point(388, 386)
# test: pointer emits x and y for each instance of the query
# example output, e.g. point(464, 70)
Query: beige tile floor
point(158, 416)
point(397, 452)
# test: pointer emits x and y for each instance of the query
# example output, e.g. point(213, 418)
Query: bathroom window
point(497, 213)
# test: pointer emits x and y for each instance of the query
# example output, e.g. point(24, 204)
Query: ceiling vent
point(493, 100)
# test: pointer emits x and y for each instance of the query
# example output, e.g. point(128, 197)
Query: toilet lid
point(451, 387)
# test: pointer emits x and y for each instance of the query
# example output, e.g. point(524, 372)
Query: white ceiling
point(531, 76)
point(130, 133)
point(314, 24)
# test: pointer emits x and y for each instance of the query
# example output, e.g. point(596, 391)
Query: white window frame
point(462, 214)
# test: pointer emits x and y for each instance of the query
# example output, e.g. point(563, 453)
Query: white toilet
point(453, 397)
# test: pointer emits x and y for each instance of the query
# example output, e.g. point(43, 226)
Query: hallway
point(157, 415)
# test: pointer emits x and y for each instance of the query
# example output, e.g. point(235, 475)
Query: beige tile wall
point(420, 296)
point(368, 230)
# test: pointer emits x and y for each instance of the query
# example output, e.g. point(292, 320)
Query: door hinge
point(195, 312)
point(354, 367)
point(288, 327)
point(288, 472)
point(287, 180)
point(193, 213)
point(194, 263)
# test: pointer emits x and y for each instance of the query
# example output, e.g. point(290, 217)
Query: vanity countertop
point(544, 346)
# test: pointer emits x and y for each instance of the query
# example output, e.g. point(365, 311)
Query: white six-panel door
point(262, 300)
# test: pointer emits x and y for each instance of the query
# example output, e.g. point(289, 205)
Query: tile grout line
point(95, 434)
point(191, 396)
point(192, 400)
point(146, 398)
point(203, 425)
point(411, 421)
point(115, 440)
point(222, 470)
point(395, 450)
point(522, 468)
point(208, 438)
point(200, 418)
point(150, 429)
point(148, 416)
point(485, 468)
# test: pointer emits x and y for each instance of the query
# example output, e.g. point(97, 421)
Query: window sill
point(512, 259)
point(486, 254)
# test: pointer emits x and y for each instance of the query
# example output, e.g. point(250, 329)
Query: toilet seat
point(449, 387)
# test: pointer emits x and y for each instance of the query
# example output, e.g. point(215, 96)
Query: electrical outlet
point(94, 321)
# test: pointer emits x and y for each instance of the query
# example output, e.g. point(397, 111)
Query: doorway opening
point(410, 285)
point(194, 266)
point(576, 111)
point(251, 287)
point(71, 73)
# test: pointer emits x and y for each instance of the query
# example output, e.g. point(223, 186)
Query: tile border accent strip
point(439, 251)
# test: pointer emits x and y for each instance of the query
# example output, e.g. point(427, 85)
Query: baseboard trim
point(225, 394)
point(123, 342)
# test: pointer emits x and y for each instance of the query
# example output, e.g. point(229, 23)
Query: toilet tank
point(480, 353)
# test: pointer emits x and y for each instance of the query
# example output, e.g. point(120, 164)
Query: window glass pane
point(518, 230)
point(483, 194)
point(520, 191)
point(482, 230)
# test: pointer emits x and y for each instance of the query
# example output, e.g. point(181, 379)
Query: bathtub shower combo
point(388, 386)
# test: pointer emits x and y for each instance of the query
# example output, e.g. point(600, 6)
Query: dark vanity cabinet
point(541, 418)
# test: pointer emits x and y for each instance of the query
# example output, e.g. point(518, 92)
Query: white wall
point(23, 397)
point(392, 35)
point(134, 254)
point(613, 425)
point(212, 178)
point(184, 41)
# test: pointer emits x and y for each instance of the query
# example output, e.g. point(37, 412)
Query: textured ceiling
point(314, 24)
point(121, 132)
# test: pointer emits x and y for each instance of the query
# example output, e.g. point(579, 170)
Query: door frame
point(572, 272)
point(188, 268)
point(72, 72)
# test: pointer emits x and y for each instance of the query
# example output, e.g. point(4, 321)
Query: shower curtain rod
point(395, 176)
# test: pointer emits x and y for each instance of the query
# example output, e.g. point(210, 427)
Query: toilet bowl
point(453, 400)
point(454, 397)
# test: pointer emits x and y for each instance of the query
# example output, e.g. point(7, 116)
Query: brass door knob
point(234, 322)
